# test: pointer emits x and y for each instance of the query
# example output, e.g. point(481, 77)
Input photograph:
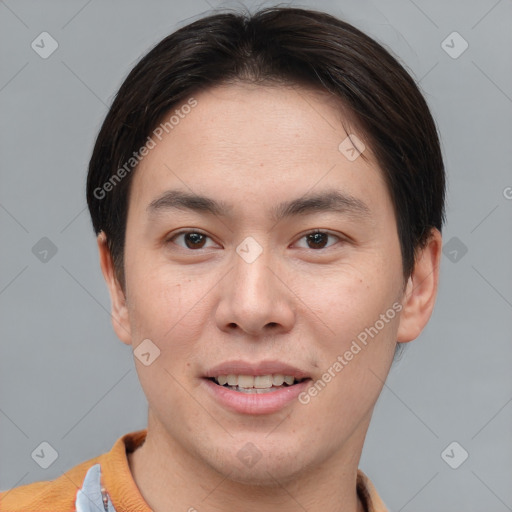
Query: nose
point(255, 298)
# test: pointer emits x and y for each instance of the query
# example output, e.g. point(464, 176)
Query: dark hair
point(287, 46)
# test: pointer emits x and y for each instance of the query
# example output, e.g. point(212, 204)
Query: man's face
point(254, 288)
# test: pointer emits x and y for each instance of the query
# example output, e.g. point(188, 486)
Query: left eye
point(317, 239)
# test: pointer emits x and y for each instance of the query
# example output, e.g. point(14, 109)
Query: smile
point(251, 400)
point(255, 384)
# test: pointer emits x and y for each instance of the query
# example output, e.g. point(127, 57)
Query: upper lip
point(240, 367)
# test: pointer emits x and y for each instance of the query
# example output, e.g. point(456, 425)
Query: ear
point(421, 290)
point(119, 314)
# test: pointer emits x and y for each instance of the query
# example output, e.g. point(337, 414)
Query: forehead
point(244, 139)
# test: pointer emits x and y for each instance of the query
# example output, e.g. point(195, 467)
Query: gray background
point(67, 380)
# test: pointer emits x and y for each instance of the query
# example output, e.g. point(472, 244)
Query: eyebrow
point(327, 201)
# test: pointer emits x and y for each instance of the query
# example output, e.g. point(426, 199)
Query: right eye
point(190, 239)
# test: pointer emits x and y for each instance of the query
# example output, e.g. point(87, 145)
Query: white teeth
point(278, 379)
point(245, 381)
point(257, 382)
point(262, 381)
point(253, 391)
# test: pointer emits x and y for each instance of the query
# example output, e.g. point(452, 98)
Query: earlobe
point(421, 290)
point(119, 310)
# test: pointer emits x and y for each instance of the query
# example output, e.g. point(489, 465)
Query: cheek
point(350, 297)
point(168, 307)
point(353, 367)
point(356, 336)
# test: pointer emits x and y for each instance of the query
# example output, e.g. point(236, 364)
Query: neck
point(170, 479)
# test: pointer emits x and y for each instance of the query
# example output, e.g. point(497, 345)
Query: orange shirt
point(79, 489)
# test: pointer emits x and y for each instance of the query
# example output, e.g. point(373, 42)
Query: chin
point(265, 467)
point(262, 475)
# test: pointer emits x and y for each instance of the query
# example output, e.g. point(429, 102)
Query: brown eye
point(194, 240)
point(190, 240)
point(318, 240)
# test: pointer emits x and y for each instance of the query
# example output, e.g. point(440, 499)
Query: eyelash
point(313, 232)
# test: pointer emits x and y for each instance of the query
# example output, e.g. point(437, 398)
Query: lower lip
point(255, 403)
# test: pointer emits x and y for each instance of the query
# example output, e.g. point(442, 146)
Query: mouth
point(251, 388)
point(257, 384)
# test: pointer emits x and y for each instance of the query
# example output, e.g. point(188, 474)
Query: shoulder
point(57, 495)
point(62, 494)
